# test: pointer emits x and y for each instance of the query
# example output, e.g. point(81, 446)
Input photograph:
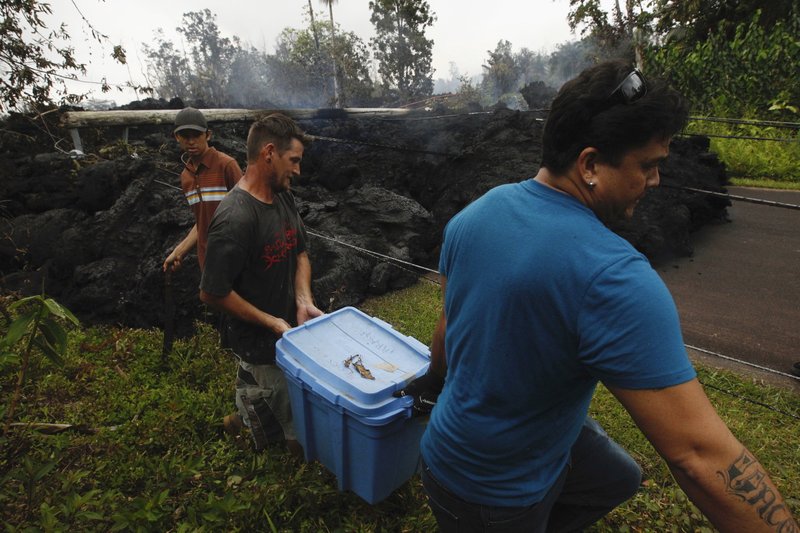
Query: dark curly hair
point(584, 114)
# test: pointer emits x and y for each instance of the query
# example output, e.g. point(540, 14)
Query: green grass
point(159, 461)
point(766, 184)
point(770, 164)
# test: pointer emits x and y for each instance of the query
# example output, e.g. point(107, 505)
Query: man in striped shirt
point(207, 177)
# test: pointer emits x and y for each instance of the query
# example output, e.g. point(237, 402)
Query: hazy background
point(464, 31)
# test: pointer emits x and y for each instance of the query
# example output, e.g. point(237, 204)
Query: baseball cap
point(190, 118)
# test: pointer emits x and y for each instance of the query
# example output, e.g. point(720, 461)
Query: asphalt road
point(739, 295)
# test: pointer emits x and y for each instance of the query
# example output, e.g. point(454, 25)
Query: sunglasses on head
point(631, 88)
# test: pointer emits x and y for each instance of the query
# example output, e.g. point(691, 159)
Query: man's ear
point(587, 162)
point(269, 150)
point(208, 135)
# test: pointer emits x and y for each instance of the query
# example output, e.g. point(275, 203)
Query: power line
point(746, 363)
point(378, 145)
point(745, 398)
point(724, 120)
point(772, 123)
point(372, 253)
point(732, 196)
point(742, 137)
point(165, 184)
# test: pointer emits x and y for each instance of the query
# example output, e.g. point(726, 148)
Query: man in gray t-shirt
point(258, 274)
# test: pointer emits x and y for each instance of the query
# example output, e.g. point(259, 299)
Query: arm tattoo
point(745, 479)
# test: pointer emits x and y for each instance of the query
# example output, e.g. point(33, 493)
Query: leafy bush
point(35, 328)
point(752, 75)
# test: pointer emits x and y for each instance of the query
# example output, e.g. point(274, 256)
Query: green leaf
point(55, 334)
point(61, 311)
point(49, 521)
point(23, 301)
point(18, 328)
point(8, 358)
point(48, 351)
point(43, 470)
point(271, 523)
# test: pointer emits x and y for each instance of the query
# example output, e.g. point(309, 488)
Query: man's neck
point(195, 159)
point(565, 184)
point(256, 185)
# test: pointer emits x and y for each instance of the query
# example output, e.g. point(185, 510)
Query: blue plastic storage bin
point(348, 422)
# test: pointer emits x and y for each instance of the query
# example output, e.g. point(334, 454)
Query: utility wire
point(769, 123)
point(745, 398)
point(377, 145)
point(729, 358)
point(373, 253)
point(174, 172)
point(165, 184)
point(773, 123)
point(741, 121)
point(742, 137)
point(732, 196)
point(435, 117)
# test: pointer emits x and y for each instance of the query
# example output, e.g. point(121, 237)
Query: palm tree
point(313, 25)
point(330, 3)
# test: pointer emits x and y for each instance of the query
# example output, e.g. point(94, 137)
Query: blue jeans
point(600, 475)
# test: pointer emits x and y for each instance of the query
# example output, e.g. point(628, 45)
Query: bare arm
point(715, 470)
point(238, 307)
point(174, 259)
point(306, 309)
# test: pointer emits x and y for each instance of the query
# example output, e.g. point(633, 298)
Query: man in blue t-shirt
point(541, 302)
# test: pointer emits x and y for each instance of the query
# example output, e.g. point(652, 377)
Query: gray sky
point(463, 32)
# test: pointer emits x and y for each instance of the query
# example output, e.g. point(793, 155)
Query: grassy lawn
point(766, 184)
point(754, 162)
point(148, 453)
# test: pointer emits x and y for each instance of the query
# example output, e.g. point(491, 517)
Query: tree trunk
point(313, 26)
point(336, 100)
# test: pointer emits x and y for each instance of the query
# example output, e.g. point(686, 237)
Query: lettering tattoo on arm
point(745, 479)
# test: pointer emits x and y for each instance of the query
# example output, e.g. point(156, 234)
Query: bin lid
point(354, 360)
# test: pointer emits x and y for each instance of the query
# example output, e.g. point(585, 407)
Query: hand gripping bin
point(350, 423)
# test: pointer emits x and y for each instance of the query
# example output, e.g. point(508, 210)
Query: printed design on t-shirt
point(278, 251)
